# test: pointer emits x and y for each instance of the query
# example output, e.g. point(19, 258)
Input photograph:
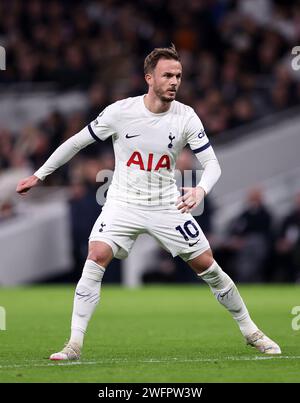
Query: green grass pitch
point(150, 334)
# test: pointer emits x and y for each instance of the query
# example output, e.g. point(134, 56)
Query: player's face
point(165, 79)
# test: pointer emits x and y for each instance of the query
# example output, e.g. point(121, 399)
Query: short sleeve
point(104, 126)
point(195, 134)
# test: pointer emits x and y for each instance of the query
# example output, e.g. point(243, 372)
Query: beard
point(162, 95)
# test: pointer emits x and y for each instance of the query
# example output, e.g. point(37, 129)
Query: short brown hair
point(160, 53)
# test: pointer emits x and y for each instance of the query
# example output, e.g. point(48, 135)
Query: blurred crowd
point(259, 247)
point(236, 54)
point(236, 58)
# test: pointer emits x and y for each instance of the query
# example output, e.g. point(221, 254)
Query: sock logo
point(82, 295)
point(91, 298)
point(224, 294)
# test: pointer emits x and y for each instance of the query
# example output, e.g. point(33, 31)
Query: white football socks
point(227, 294)
point(87, 296)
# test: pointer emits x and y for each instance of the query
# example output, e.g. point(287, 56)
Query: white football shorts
point(119, 225)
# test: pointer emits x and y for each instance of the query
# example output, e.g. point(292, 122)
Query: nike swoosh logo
point(134, 135)
point(82, 295)
point(194, 243)
point(224, 293)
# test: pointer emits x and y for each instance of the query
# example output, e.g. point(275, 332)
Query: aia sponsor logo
point(149, 164)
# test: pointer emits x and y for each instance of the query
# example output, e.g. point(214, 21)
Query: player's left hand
point(191, 199)
point(26, 184)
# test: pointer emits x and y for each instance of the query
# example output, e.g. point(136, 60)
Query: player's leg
point(228, 295)
point(182, 235)
point(86, 298)
point(87, 293)
point(112, 235)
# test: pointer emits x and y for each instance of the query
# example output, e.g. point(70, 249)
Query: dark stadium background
point(67, 60)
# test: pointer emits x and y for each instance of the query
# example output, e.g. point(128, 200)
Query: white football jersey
point(146, 147)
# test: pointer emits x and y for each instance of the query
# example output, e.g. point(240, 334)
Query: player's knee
point(100, 252)
point(100, 257)
point(202, 262)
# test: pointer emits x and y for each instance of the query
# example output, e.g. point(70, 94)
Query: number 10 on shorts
point(188, 230)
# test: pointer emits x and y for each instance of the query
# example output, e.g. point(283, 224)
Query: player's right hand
point(25, 184)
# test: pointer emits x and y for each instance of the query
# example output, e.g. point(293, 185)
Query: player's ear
point(148, 78)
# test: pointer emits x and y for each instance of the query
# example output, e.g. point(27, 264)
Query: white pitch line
point(149, 361)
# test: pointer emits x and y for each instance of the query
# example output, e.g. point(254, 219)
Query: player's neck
point(155, 105)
